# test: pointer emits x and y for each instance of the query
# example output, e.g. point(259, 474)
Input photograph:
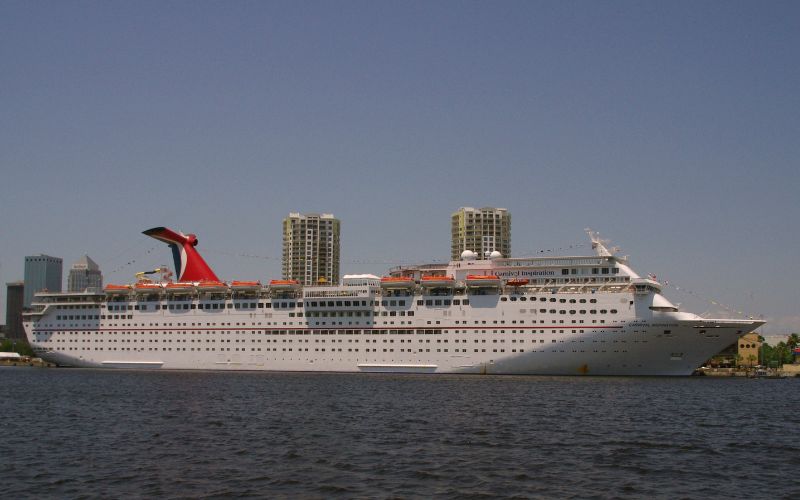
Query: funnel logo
point(189, 265)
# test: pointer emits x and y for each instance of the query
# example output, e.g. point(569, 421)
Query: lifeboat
point(397, 283)
point(147, 288)
point(246, 285)
point(179, 287)
point(284, 284)
point(212, 286)
point(482, 281)
point(517, 282)
point(438, 281)
point(118, 289)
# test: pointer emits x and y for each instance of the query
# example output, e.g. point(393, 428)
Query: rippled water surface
point(94, 433)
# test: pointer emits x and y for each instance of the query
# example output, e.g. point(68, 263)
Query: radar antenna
point(599, 245)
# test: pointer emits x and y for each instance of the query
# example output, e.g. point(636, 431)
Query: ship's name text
point(516, 274)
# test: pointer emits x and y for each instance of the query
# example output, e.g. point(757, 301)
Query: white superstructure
point(555, 315)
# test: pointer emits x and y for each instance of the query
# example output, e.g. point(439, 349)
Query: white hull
point(624, 347)
point(576, 316)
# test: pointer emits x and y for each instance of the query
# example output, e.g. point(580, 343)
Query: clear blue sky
point(671, 127)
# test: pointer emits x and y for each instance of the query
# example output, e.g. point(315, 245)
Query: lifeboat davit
point(517, 282)
point(117, 289)
point(391, 283)
point(482, 281)
point(284, 284)
point(438, 281)
point(147, 288)
point(179, 287)
point(246, 285)
point(212, 286)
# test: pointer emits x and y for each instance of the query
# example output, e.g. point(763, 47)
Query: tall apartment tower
point(85, 273)
point(14, 299)
point(480, 230)
point(42, 272)
point(311, 248)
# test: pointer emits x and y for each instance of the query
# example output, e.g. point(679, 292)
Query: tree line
point(780, 354)
point(19, 346)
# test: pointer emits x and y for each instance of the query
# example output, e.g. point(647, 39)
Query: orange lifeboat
point(284, 284)
point(117, 289)
point(482, 281)
point(145, 287)
point(179, 287)
point(212, 286)
point(438, 281)
point(246, 285)
point(517, 282)
point(391, 283)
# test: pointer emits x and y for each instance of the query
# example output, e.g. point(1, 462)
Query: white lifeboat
point(482, 281)
point(391, 283)
point(438, 281)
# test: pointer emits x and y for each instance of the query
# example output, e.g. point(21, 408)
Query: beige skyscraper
point(85, 273)
point(311, 248)
point(481, 230)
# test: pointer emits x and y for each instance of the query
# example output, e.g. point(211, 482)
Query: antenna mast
point(598, 245)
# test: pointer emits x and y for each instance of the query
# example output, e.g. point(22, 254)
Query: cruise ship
point(482, 314)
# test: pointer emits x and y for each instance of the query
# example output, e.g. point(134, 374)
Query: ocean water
point(74, 433)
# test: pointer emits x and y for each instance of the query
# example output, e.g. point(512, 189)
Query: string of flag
point(131, 262)
point(705, 298)
point(277, 258)
point(552, 250)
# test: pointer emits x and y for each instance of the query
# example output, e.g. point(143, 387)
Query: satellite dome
point(495, 255)
point(468, 255)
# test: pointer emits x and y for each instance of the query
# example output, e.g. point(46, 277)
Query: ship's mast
point(598, 245)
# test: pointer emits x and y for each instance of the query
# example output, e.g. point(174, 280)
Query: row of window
point(331, 303)
point(258, 349)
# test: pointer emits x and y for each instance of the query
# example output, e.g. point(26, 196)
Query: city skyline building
point(311, 248)
point(480, 230)
point(42, 272)
point(85, 273)
point(15, 297)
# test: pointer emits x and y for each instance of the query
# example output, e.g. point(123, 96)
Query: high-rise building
point(480, 230)
point(42, 272)
point(311, 248)
point(14, 300)
point(85, 273)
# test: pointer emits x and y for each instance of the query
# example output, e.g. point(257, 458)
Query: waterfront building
point(42, 272)
point(482, 231)
point(311, 248)
point(749, 349)
point(14, 301)
point(84, 274)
